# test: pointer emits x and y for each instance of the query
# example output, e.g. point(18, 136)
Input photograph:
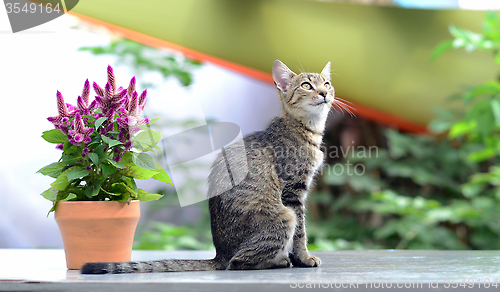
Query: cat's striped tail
point(152, 266)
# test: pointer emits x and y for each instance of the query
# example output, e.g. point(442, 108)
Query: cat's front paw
point(308, 262)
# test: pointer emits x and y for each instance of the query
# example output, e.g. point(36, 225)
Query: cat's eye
point(327, 85)
point(306, 85)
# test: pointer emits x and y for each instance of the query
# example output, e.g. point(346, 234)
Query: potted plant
point(95, 197)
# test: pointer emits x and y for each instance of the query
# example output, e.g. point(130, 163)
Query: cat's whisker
point(347, 106)
point(348, 110)
point(344, 107)
point(343, 100)
point(337, 108)
point(301, 68)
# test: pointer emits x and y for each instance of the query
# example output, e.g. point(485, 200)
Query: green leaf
point(472, 190)
point(65, 196)
point(52, 170)
point(93, 189)
point(139, 172)
point(123, 189)
point(144, 160)
point(110, 193)
point(99, 122)
point(146, 197)
point(54, 136)
point(131, 183)
point(52, 209)
point(152, 121)
point(162, 175)
point(490, 26)
point(62, 183)
point(69, 148)
point(457, 32)
point(94, 157)
point(100, 151)
point(110, 141)
point(461, 128)
point(497, 58)
point(495, 108)
point(146, 140)
point(116, 164)
point(50, 194)
point(441, 48)
point(439, 126)
point(482, 155)
point(108, 170)
point(70, 197)
point(157, 148)
point(71, 159)
point(136, 171)
point(77, 172)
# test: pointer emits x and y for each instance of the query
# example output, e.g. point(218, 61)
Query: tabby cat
point(259, 223)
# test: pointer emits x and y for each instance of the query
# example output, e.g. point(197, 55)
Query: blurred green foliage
point(142, 58)
point(163, 236)
point(424, 192)
point(413, 195)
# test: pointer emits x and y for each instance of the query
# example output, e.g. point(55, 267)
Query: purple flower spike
point(110, 114)
point(86, 91)
point(86, 150)
point(120, 95)
point(98, 90)
point(62, 108)
point(131, 86)
point(121, 136)
point(83, 101)
point(133, 117)
point(111, 79)
point(110, 127)
point(133, 103)
point(82, 106)
point(100, 100)
point(60, 146)
point(108, 91)
point(80, 132)
point(63, 129)
point(134, 130)
point(142, 98)
point(118, 99)
point(77, 139)
point(88, 168)
point(70, 107)
point(80, 102)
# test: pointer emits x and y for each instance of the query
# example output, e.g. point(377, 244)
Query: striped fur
point(259, 223)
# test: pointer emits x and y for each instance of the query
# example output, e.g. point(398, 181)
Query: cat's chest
point(316, 162)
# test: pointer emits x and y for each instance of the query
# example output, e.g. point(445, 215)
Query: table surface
point(45, 270)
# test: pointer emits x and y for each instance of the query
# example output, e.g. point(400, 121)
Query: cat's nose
point(323, 93)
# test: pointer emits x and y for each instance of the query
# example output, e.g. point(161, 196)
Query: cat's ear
point(326, 71)
point(282, 75)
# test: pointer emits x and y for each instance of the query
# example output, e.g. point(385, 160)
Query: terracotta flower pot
point(97, 231)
